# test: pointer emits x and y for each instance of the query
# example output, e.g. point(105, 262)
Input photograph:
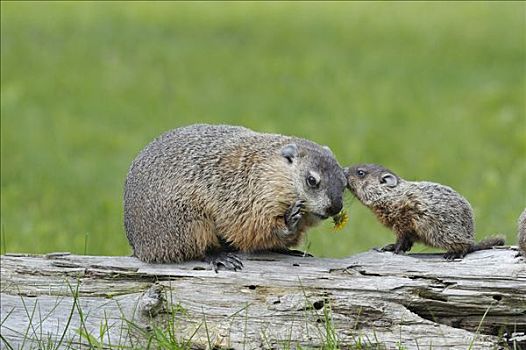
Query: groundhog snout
point(352, 185)
point(335, 208)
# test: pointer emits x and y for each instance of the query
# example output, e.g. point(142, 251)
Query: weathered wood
point(375, 299)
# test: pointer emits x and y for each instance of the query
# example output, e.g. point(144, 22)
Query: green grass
point(434, 91)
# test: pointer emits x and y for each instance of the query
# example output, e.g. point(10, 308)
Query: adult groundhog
point(425, 212)
point(203, 191)
point(521, 232)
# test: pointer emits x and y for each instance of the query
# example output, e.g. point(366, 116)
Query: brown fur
point(521, 232)
point(424, 212)
point(203, 188)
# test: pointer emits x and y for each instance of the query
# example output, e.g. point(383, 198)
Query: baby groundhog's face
point(370, 182)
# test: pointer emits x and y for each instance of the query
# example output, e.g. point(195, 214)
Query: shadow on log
point(370, 300)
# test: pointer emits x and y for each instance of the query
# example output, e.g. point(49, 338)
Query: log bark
point(370, 300)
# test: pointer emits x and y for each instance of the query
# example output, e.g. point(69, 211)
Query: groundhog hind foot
point(452, 255)
point(390, 248)
point(224, 261)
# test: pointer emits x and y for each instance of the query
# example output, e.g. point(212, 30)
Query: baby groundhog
point(424, 212)
point(521, 232)
point(203, 191)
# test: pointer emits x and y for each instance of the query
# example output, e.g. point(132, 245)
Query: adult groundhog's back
point(180, 163)
point(181, 151)
point(197, 155)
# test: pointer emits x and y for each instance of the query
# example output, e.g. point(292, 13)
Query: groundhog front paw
point(388, 248)
point(224, 261)
point(403, 244)
point(393, 247)
point(293, 215)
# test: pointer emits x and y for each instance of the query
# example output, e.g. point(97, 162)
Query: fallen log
point(370, 300)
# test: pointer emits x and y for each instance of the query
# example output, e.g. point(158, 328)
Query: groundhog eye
point(312, 182)
point(360, 173)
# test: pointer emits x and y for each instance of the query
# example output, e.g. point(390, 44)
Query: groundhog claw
point(388, 248)
point(293, 215)
point(450, 256)
point(226, 261)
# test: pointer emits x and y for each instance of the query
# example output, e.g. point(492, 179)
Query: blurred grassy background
point(434, 91)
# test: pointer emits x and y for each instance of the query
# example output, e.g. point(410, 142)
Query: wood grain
point(374, 299)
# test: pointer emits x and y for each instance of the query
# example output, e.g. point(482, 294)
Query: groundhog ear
point(389, 179)
point(290, 151)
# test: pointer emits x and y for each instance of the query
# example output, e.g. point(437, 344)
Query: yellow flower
point(340, 220)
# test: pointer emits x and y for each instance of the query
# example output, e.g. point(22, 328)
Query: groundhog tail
point(489, 243)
